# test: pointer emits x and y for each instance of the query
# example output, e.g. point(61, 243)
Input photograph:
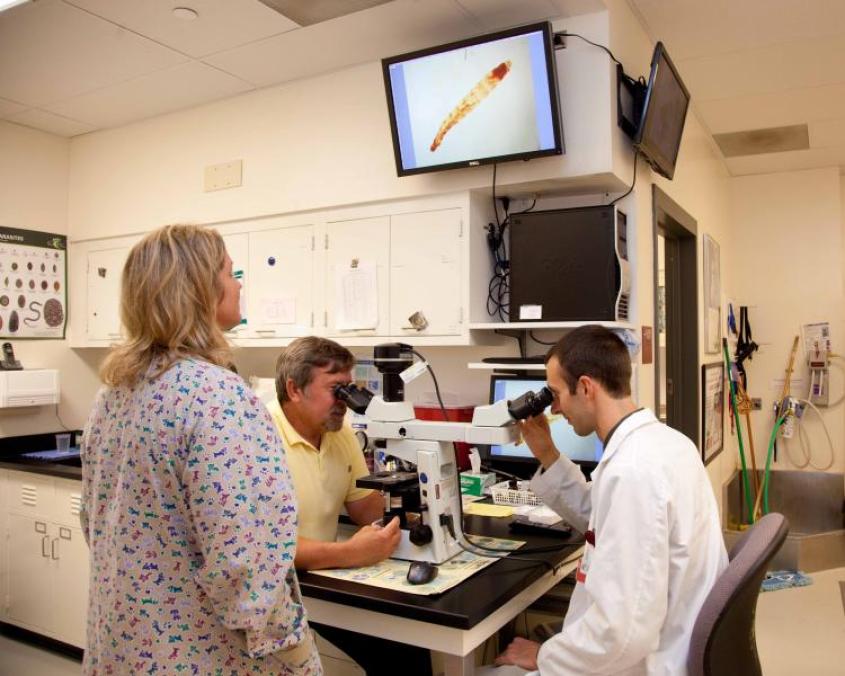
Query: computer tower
point(569, 265)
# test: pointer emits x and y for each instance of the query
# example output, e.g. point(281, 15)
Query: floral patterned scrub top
point(190, 516)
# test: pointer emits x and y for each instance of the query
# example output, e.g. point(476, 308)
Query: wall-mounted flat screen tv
point(488, 99)
point(664, 113)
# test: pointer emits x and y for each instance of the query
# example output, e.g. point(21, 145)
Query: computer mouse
point(420, 572)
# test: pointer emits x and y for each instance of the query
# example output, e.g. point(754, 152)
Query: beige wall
point(33, 196)
point(789, 271)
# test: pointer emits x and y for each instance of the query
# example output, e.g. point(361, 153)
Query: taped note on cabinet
point(356, 297)
point(277, 311)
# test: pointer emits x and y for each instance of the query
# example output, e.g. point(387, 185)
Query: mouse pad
point(391, 573)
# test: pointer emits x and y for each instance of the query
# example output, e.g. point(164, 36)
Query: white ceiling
point(755, 64)
point(74, 66)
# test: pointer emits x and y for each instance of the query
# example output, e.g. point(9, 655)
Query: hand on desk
point(372, 544)
point(521, 653)
point(537, 434)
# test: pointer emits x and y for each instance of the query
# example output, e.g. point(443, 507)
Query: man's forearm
point(316, 554)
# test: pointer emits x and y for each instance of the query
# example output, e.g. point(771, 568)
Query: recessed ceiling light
point(8, 4)
point(185, 13)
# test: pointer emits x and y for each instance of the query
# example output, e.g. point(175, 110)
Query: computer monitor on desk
point(517, 459)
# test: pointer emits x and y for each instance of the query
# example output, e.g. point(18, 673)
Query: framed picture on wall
point(712, 296)
point(712, 410)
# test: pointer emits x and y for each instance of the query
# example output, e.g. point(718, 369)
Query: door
point(357, 277)
point(103, 293)
point(677, 389)
point(30, 591)
point(425, 275)
point(281, 269)
point(69, 607)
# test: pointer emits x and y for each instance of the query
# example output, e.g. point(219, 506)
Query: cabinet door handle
point(54, 554)
point(44, 551)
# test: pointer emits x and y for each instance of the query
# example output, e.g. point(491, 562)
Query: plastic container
point(63, 442)
point(455, 414)
point(503, 494)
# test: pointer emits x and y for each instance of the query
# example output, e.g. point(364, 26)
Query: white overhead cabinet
point(103, 272)
point(357, 277)
point(412, 270)
point(425, 273)
point(46, 557)
point(280, 300)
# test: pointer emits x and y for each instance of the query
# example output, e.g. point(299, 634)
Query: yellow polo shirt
point(324, 478)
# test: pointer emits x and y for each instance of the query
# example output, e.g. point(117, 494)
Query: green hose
point(745, 484)
point(769, 454)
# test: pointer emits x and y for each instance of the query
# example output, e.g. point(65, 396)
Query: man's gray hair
point(299, 359)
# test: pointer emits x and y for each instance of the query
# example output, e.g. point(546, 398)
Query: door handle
point(54, 549)
point(44, 552)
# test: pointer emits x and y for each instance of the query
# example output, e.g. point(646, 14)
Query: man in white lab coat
point(653, 546)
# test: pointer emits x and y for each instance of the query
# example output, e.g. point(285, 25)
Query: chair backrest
point(723, 642)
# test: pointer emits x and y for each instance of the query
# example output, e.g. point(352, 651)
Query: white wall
point(33, 196)
point(789, 271)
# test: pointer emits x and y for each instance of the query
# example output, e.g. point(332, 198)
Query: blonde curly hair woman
point(189, 509)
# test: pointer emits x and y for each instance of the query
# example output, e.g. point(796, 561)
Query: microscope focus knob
point(420, 534)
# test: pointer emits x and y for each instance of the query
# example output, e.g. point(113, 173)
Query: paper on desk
point(391, 573)
point(356, 297)
point(486, 509)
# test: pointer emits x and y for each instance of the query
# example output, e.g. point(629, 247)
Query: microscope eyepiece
point(530, 404)
point(356, 398)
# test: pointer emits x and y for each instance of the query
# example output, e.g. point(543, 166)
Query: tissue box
point(474, 484)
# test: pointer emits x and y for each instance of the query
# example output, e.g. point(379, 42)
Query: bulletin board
point(33, 284)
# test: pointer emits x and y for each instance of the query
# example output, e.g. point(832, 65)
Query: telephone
point(8, 362)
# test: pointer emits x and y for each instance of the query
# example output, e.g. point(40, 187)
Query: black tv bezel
point(661, 164)
point(551, 71)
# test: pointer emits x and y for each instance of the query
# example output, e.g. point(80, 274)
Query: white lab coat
point(658, 550)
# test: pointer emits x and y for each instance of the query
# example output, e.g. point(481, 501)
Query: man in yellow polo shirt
point(325, 460)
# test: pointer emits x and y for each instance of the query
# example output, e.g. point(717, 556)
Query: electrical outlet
point(756, 404)
point(225, 175)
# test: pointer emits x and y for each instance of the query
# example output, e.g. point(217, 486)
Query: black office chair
point(723, 641)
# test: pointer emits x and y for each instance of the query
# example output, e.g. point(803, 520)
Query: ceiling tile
point(773, 68)
point(386, 30)
point(50, 51)
point(162, 92)
point(10, 108)
point(55, 124)
point(693, 28)
point(218, 26)
point(495, 15)
point(827, 133)
point(796, 106)
point(791, 161)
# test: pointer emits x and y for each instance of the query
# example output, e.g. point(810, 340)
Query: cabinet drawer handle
point(40, 527)
point(64, 533)
point(44, 551)
point(54, 549)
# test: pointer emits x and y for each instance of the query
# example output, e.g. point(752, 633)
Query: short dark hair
point(596, 352)
point(299, 359)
